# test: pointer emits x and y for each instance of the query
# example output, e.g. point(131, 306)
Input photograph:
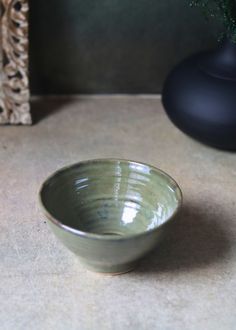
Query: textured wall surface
point(108, 46)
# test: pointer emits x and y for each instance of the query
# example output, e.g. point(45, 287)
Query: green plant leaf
point(223, 10)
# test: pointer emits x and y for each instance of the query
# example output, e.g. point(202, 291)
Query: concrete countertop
point(187, 283)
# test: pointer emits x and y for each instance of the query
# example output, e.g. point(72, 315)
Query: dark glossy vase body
point(199, 96)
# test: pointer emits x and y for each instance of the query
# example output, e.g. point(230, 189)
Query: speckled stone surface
point(189, 282)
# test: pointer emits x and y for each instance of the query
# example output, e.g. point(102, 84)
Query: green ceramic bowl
point(110, 212)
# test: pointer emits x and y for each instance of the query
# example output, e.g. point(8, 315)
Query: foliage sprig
point(224, 10)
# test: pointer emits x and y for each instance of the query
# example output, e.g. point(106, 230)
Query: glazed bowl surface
point(110, 212)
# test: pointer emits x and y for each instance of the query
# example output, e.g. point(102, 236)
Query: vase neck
point(221, 62)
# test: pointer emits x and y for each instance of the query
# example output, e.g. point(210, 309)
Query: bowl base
point(111, 274)
point(111, 270)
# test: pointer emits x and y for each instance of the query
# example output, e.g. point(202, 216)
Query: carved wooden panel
point(14, 83)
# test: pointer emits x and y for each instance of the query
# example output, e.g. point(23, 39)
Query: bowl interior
point(110, 197)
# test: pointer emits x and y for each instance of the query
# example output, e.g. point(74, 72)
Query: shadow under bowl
point(110, 212)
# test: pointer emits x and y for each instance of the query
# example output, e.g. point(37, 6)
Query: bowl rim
point(84, 234)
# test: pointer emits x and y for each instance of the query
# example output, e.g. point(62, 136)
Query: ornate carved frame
point(14, 82)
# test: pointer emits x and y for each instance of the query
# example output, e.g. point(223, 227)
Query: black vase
point(199, 96)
